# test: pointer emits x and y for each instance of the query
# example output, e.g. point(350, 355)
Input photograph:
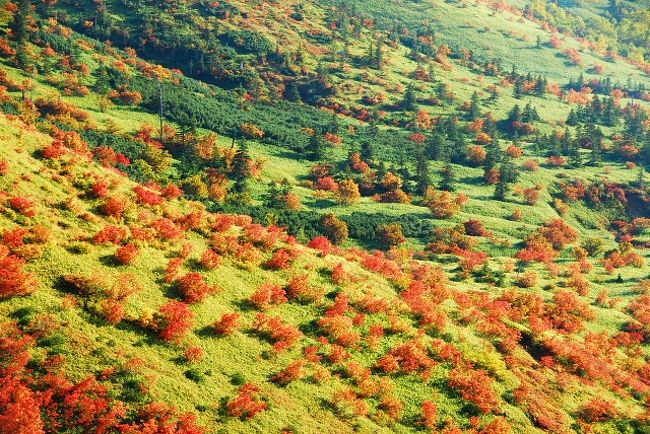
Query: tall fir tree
point(409, 103)
point(448, 179)
point(241, 170)
point(422, 171)
point(20, 28)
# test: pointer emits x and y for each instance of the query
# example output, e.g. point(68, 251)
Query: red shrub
point(569, 312)
point(20, 411)
point(247, 403)
point(291, 373)
point(146, 196)
point(409, 357)
point(172, 191)
point(323, 244)
point(174, 320)
point(558, 233)
point(110, 234)
point(23, 206)
point(54, 151)
point(281, 259)
point(429, 414)
point(193, 289)
point(476, 155)
point(531, 165)
point(112, 310)
point(114, 207)
point(127, 254)
point(210, 260)
point(283, 335)
point(339, 275)
point(556, 161)
point(474, 386)
point(166, 229)
point(340, 329)
point(300, 289)
point(173, 267)
point(99, 189)
point(194, 354)
point(14, 280)
point(531, 195)
point(392, 406)
point(227, 325)
point(598, 410)
point(475, 228)
point(267, 295)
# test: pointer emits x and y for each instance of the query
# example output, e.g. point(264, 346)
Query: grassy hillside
point(356, 218)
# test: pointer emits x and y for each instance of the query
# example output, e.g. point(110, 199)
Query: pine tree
point(291, 92)
point(596, 149)
point(448, 180)
point(508, 174)
point(572, 119)
point(518, 89)
point(422, 171)
point(367, 151)
point(241, 170)
point(640, 180)
point(410, 101)
point(316, 148)
point(20, 29)
point(437, 146)
point(431, 73)
point(474, 108)
point(102, 81)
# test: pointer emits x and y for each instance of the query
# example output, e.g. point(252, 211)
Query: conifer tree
point(241, 170)
point(409, 103)
point(474, 108)
point(316, 148)
point(20, 29)
point(448, 179)
point(422, 172)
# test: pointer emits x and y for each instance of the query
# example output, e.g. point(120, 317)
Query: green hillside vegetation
point(310, 217)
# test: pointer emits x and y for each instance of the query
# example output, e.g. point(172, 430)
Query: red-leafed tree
point(174, 320)
point(14, 280)
point(193, 289)
point(247, 403)
point(227, 324)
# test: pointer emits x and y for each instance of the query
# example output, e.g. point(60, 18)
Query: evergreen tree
point(431, 73)
point(241, 170)
point(566, 143)
point(448, 180)
point(437, 146)
point(291, 92)
point(422, 171)
point(409, 103)
point(640, 179)
point(493, 155)
point(572, 119)
point(474, 111)
point(102, 81)
point(508, 174)
point(316, 147)
point(596, 148)
point(20, 29)
point(518, 89)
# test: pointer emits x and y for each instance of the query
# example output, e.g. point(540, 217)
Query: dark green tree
point(316, 147)
point(241, 170)
point(422, 171)
point(409, 103)
point(20, 29)
point(448, 180)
